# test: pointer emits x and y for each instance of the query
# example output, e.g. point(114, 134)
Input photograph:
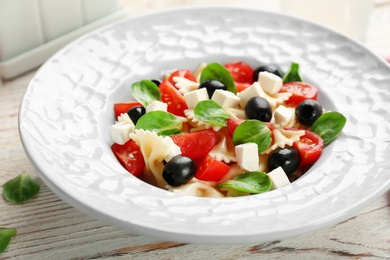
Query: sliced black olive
point(258, 108)
point(157, 82)
point(308, 111)
point(179, 170)
point(272, 68)
point(288, 158)
point(135, 113)
point(212, 86)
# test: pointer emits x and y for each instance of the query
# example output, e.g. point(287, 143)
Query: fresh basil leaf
point(329, 125)
point(5, 237)
point(161, 122)
point(208, 111)
point(145, 92)
point(253, 131)
point(20, 189)
point(215, 71)
point(251, 182)
point(293, 74)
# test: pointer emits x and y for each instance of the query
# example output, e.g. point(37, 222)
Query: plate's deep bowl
point(67, 109)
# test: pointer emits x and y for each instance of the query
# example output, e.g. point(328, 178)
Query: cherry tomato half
point(174, 99)
point(130, 156)
point(120, 108)
point(241, 72)
point(196, 144)
point(210, 169)
point(309, 147)
point(300, 91)
point(181, 73)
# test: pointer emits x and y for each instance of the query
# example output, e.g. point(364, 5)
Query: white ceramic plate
point(67, 109)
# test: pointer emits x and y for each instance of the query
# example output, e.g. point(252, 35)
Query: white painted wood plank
point(20, 30)
point(60, 17)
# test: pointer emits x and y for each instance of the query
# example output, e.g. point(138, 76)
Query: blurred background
point(33, 30)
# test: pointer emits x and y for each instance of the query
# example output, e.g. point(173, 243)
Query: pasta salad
point(223, 130)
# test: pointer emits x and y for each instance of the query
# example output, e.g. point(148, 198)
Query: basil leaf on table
point(293, 74)
point(5, 237)
point(251, 182)
point(145, 92)
point(253, 131)
point(329, 125)
point(20, 189)
point(215, 71)
point(210, 112)
point(161, 122)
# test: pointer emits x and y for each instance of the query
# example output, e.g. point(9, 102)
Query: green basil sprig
point(210, 112)
point(5, 237)
point(20, 189)
point(215, 71)
point(329, 125)
point(293, 74)
point(145, 92)
point(253, 131)
point(161, 122)
point(251, 182)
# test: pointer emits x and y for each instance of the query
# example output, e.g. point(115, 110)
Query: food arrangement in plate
point(223, 130)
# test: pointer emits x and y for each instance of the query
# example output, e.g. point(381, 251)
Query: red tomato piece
point(196, 144)
point(309, 147)
point(300, 92)
point(130, 156)
point(120, 108)
point(241, 72)
point(210, 169)
point(232, 124)
point(181, 73)
point(242, 86)
point(174, 99)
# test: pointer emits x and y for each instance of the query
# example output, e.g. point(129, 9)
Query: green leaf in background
point(293, 74)
point(145, 92)
point(250, 182)
point(20, 189)
point(329, 125)
point(5, 237)
point(215, 71)
point(253, 131)
point(161, 122)
point(208, 111)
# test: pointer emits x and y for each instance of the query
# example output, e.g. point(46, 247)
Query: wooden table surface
point(48, 228)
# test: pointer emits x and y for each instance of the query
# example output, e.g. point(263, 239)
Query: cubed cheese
point(120, 132)
point(255, 90)
point(156, 105)
point(278, 178)
point(247, 156)
point(225, 98)
point(270, 82)
point(283, 115)
point(194, 97)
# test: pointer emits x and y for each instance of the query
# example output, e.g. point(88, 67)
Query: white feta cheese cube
point(120, 132)
point(173, 149)
point(270, 82)
point(247, 156)
point(278, 178)
point(225, 98)
point(194, 97)
point(255, 90)
point(156, 105)
point(283, 115)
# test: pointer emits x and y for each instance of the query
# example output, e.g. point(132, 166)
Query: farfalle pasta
point(223, 130)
